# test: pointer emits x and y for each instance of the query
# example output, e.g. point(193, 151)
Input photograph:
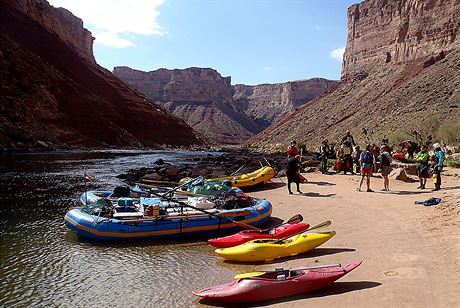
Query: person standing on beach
point(367, 162)
point(356, 155)
point(293, 173)
point(437, 166)
point(292, 150)
point(422, 159)
point(385, 167)
point(324, 153)
point(348, 138)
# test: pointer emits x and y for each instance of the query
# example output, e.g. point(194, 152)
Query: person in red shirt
point(292, 150)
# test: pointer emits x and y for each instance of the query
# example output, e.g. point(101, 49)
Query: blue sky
point(253, 41)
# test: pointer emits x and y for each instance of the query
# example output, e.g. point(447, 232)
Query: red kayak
point(244, 236)
point(276, 284)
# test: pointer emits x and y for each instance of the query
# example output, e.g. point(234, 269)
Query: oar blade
point(248, 275)
point(324, 224)
point(295, 219)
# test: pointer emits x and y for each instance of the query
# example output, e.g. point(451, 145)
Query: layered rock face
point(61, 22)
point(401, 69)
point(51, 95)
point(387, 32)
point(200, 96)
point(222, 112)
point(267, 103)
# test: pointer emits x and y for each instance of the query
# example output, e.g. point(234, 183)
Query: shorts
point(366, 171)
point(385, 170)
point(423, 171)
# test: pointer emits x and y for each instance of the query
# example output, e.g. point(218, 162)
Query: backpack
point(368, 157)
point(385, 160)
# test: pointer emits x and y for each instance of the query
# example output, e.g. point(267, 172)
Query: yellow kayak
point(263, 250)
point(259, 177)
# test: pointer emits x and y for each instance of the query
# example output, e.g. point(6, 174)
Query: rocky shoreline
point(212, 166)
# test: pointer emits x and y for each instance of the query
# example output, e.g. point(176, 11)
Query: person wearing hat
point(385, 166)
point(293, 173)
point(437, 166)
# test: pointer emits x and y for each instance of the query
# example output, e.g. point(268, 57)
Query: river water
point(43, 264)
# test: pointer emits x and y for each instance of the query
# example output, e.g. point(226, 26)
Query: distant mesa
point(223, 113)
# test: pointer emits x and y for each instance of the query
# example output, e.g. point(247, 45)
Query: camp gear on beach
point(286, 229)
point(155, 218)
point(431, 201)
point(277, 284)
point(263, 250)
point(399, 155)
point(254, 179)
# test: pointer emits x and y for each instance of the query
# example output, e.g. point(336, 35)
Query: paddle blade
point(295, 219)
point(248, 275)
point(324, 224)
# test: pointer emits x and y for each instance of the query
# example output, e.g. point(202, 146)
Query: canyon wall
point(267, 103)
point(400, 78)
point(210, 104)
point(53, 96)
point(200, 96)
point(61, 22)
point(387, 32)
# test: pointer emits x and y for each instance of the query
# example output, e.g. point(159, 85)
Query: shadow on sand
point(317, 252)
point(334, 289)
point(413, 192)
point(314, 194)
point(321, 183)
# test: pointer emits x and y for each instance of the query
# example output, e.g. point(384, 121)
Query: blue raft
point(169, 225)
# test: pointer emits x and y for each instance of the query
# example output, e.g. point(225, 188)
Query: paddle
point(255, 274)
point(192, 181)
point(293, 220)
point(238, 223)
point(159, 182)
point(318, 226)
point(182, 192)
point(237, 170)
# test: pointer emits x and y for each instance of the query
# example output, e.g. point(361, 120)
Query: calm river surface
point(43, 264)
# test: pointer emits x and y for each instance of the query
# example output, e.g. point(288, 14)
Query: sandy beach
point(410, 253)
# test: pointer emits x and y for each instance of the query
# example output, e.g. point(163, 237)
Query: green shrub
point(452, 162)
point(449, 133)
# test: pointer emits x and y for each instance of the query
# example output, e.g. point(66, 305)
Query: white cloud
point(268, 68)
point(317, 27)
point(109, 20)
point(337, 53)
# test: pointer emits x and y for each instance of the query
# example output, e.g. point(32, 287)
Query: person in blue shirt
point(437, 166)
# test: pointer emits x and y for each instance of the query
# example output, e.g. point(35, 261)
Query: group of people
point(350, 158)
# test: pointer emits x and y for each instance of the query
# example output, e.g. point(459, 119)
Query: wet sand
point(410, 253)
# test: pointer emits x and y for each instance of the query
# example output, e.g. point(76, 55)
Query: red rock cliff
point(267, 103)
point(385, 32)
point(61, 22)
point(200, 96)
point(51, 95)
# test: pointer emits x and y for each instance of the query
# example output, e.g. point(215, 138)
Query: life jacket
point(292, 151)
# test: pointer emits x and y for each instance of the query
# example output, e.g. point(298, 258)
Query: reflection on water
point(44, 264)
